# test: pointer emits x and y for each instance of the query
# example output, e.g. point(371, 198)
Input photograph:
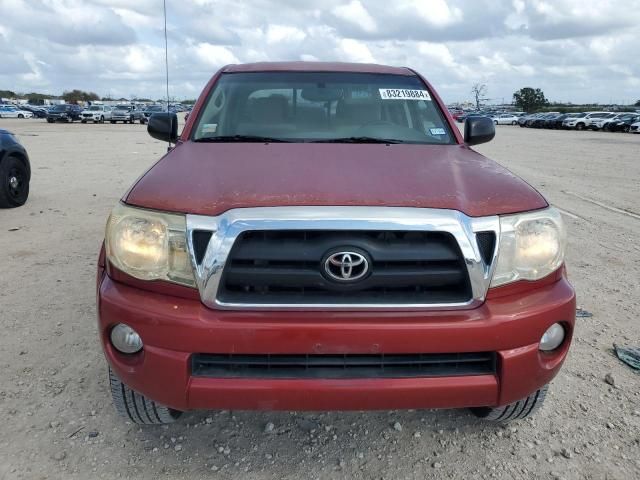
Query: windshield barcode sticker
point(403, 94)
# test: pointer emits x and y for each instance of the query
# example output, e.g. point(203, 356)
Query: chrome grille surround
point(228, 226)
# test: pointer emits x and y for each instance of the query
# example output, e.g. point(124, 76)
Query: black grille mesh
point(285, 267)
point(343, 366)
point(486, 244)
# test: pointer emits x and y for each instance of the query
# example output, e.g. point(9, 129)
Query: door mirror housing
point(478, 129)
point(163, 126)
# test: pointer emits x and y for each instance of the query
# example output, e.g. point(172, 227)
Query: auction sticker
point(403, 94)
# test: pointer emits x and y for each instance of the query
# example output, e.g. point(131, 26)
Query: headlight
point(149, 245)
point(531, 246)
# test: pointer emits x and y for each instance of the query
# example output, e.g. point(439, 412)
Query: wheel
point(20, 115)
point(626, 129)
point(49, 120)
point(495, 122)
point(14, 183)
point(142, 122)
point(580, 126)
point(136, 407)
point(514, 411)
point(112, 121)
point(101, 118)
point(514, 122)
point(83, 121)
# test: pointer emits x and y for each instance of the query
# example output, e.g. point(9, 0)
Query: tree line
point(527, 99)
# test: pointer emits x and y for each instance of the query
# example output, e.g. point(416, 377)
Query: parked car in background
point(602, 123)
point(38, 112)
point(623, 123)
point(558, 121)
point(150, 110)
point(15, 171)
point(584, 121)
point(550, 121)
point(634, 127)
point(526, 120)
point(64, 113)
point(540, 120)
point(505, 119)
point(11, 111)
point(96, 114)
point(126, 113)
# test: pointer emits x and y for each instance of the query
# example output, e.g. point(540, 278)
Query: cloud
point(214, 55)
point(354, 51)
point(355, 14)
point(572, 50)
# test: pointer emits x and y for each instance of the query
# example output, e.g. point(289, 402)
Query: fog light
point(552, 338)
point(125, 339)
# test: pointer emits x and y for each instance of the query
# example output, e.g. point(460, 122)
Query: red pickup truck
point(322, 237)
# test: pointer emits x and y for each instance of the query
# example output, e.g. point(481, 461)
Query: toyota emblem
point(347, 266)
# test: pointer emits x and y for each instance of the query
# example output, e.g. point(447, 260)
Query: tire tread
point(136, 407)
point(517, 410)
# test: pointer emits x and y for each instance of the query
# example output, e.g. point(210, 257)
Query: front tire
point(14, 183)
point(137, 408)
point(20, 116)
point(513, 123)
point(580, 126)
point(514, 411)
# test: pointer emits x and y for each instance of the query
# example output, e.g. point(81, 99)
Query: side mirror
point(163, 126)
point(478, 130)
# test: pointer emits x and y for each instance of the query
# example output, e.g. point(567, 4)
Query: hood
point(211, 178)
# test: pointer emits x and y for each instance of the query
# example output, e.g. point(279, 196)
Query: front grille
point(287, 267)
point(343, 366)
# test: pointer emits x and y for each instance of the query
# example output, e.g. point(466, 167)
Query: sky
point(574, 50)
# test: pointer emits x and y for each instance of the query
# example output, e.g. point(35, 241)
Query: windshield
point(59, 108)
point(95, 108)
point(322, 106)
point(123, 107)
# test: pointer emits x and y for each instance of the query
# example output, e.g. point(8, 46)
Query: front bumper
point(173, 328)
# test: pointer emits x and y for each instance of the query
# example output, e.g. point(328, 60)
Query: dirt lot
point(57, 417)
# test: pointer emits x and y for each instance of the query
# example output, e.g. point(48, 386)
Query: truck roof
point(317, 67)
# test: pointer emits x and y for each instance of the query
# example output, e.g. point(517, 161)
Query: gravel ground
point(57, 417)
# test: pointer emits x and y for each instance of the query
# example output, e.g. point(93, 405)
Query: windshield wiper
point(241, 138)
point(357, 140)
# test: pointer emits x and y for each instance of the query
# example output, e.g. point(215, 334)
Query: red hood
point(211, 178)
